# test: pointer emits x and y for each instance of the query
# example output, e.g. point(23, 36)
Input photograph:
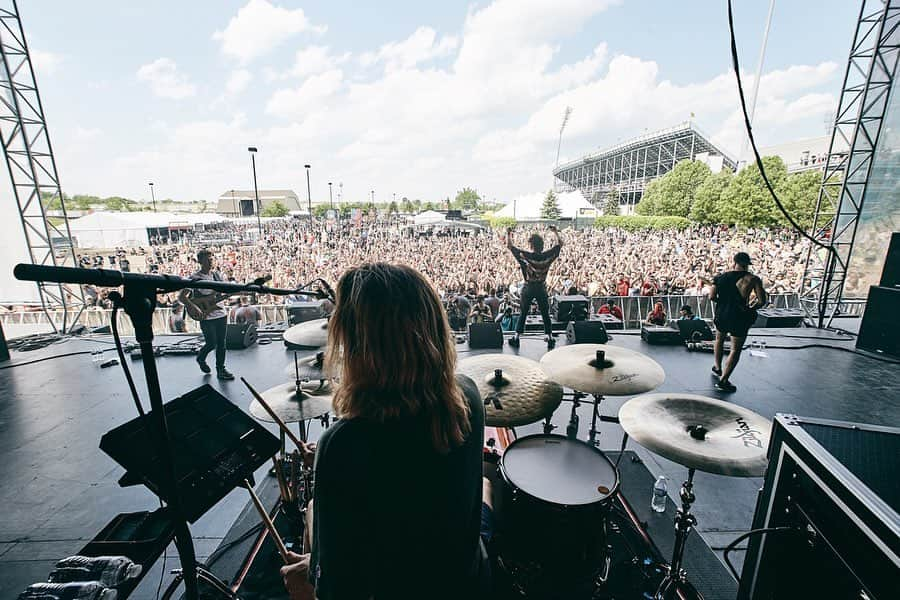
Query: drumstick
point(279, 475)
point(279, 543)
point(300, 445)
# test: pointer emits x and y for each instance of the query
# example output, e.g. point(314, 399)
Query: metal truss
point(861, 111)
point(32, 168)
point(630, 166)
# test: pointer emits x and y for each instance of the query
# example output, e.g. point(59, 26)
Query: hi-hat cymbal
point(623, 372)
point(310, 367)
point(312, 403)
point(700, 433)
point(312, 334)
point(523, 394)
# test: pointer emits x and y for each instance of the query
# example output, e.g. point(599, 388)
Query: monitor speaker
point(485, 335)
point(880, 328)
point(779, 317)
point(661, 336)
point(4, 349)
point(240, 335)
point(586, 332)
point(890, 276)
point(572, 308)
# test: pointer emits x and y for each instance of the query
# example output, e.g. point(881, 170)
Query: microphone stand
point(138, 300)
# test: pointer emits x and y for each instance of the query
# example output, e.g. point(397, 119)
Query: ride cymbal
point(313, 402)
point(521, 395)
point(311, 334)
point(310, 367)
point(700, 433)
point(623, 372)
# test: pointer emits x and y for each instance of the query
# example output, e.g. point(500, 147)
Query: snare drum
point(556, 498)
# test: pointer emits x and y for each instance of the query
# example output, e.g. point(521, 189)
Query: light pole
point(341, 192)
point(252, 151)
point(153, 196)
point(308, 193)
point(330, 197)
point(373, 196)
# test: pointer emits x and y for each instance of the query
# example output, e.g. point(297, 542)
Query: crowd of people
point(593, 262)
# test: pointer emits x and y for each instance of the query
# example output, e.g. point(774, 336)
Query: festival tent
point(528, 207)
point(103, 229)
point(428, 217)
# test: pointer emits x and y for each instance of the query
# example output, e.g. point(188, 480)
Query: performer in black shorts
point(535, 265)
point(737, 294)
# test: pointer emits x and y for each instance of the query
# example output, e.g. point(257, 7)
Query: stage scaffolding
point(32, 169)
point(862, 108)
point(630, 166)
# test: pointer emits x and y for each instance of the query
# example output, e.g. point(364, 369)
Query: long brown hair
point(390, 344)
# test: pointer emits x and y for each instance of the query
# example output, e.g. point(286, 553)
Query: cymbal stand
point(572, 427)
point(595, 414)
point(684, 522)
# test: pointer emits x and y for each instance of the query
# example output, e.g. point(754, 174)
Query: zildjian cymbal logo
point(623, 377)
point(747, 434)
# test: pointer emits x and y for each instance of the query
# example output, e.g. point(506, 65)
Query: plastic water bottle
point(660, 493)
point(85, 590)
point(107, 570)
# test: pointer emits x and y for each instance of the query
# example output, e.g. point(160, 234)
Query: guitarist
point(202, 305)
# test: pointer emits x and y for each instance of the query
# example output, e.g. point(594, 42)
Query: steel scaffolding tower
point(32, 168)
point(861, 112)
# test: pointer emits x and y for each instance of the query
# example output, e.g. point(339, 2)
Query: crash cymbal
point(523, 394)
point(310, 367)
point(314, 402)
point(623, 372)
point(700, 433)
point(312, 334)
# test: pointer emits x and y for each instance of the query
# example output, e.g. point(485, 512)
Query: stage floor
point(59, 489)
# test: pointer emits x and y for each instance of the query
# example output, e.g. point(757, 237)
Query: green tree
point(707, 206)
point(116, 203)
point(611, 202)
point(674, 192)
point(320, 211)
point(747, 202)
point(647, 204)
point(550, 208)
point(502, 223)
point(429, 206)
point(799, 195)
point(392, 208)
point(275, 209)
point(405, 205)
point(467, 199)
point(417, 205)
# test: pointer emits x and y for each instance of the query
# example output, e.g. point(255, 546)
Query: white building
point(242, 203)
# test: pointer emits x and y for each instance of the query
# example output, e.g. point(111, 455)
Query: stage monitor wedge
point(880, 327)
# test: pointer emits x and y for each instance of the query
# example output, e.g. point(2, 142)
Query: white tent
point(528, 207)
point(428, 217)
point(104, 229)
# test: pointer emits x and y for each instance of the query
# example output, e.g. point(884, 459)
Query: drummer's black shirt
point(392, 517)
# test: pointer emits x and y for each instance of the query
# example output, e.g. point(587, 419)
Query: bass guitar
point(200, 307)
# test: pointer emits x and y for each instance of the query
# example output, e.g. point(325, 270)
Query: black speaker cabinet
point(240, 335)
point(880, 327)
point(890, 275)
point(485, 335)
point(833, 486)
point(661, 336)
point(779, 317)
point(572, 308)
point(300, 312)
point(4, 349)
point(586, 332)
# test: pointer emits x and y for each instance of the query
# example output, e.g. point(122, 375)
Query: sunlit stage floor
point(59, 489)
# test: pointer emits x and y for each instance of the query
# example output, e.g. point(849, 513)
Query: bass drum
point(555, 504)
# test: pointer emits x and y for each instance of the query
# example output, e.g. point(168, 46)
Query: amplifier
point(890, 275)
point(833, 485)
point(299, 312)
point(572, 308)
point(240, 335)
point(779, 317)
point(485, 335)
point(586, 332)
point(661, 336)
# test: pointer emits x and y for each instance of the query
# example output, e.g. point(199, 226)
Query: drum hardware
point(309, 334)
point(684, 522)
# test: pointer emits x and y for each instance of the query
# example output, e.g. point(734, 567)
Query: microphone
point(261, 280)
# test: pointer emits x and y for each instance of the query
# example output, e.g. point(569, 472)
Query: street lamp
point(341, 192)
point(373, 196)
point(308, 193)
point(330, 197)
point(252, 151)
point(153, 196)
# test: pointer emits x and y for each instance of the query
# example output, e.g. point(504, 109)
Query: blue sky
point(413, 98)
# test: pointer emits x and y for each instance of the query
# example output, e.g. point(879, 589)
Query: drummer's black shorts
point(487, 523)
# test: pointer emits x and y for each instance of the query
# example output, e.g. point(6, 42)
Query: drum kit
point(556, 490)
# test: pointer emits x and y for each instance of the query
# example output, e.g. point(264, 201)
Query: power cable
point(118, 341)
point(730, 547)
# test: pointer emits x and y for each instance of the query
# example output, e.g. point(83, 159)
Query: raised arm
point(559, 238)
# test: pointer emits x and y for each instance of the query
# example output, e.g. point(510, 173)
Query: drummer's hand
point(309, 454)
point(296, 577)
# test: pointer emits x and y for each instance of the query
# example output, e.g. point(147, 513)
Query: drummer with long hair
point(398, 480)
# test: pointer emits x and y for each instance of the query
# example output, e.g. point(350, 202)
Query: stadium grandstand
point(242, 203)
point(628, 167)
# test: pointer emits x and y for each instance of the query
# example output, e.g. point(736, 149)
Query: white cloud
point(419, 47)
point(309, 61)
point(44, 62)
point(259, 26)
point(309, 97)
point(165, 80)
point(238, 81)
